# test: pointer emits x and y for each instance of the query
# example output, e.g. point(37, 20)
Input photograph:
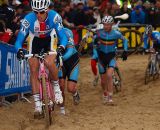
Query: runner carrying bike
point(94, 58)
point(41, 25)
point(106, 47)
point(70, 69)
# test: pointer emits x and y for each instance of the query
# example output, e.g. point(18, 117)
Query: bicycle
point(45, 89)
point(153, 67)
point(116, 76)
point(117, 80)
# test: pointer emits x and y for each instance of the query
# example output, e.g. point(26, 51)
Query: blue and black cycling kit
point(155, 37)
point(105, 48)
point(70, 67)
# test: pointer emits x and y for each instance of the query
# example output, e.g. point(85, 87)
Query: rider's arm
point(24, 30)
point(60, 30)
point(145, 39)
point(157, 36)
point(69, 52)
point(125, 41)
point(95, 45)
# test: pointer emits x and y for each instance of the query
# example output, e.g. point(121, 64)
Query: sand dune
point(137, 106)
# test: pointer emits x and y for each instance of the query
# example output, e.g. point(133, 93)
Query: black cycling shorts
point(69, 65)
point(105, 58)
point(156, 46)
point(39, 44)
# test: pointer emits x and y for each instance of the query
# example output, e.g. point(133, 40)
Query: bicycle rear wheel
point(117, 81)
point(46, 110)
point(138, 37)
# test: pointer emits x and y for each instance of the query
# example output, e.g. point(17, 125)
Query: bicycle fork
point(49, 89)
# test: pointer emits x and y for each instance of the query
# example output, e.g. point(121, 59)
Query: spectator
point(137, 15)
point(79, 14)
point(147, 9)
point(133, 3)
point(19, 10)
point(88, 17)
point(5, 34)
point(68, 18)
point(16, 2)
point(115, 9)
point(8, 14)
point(96, 15)
point(91, 3)
point(157, 13)
point(103, 5)
point(124, 10)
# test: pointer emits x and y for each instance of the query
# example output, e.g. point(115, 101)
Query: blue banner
point(14, 77)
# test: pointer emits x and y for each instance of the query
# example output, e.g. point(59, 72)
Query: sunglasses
point(42, 12)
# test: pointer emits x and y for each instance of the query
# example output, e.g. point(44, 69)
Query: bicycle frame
point(152, 60)
point(43, 71)
point(152, 68)
point(45, 89)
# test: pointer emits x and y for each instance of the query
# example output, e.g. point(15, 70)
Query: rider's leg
point(94, 66)
point(110, 71)
point(94, 70)
point(72, 83)
point(34, 69)
point(50, 64)
point(110, 82)
point(62, 87)
point(102, 71)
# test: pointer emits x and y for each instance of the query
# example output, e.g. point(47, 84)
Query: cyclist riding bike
point(70, 69)
point(41, 25)
point(105, 42)
point(154, 36)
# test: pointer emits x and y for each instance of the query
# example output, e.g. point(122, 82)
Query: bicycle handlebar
point(151, 51)
point(40, 56)
point(43, 55)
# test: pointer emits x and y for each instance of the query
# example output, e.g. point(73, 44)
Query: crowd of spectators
point(79, 12)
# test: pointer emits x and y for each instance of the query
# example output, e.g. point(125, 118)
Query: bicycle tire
point(147, 73)
point(156, 75)
point(81, 45)
point(47, 112)
point(117, 86)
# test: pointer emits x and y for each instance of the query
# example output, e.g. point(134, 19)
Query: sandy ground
point(137, 106)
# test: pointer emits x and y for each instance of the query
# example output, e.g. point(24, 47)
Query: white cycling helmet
point(40, 5)
point(148, 29)
point(107, 19)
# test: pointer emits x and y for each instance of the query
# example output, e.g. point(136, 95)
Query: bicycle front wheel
point(46, 110)
point(147, 73)
point(156, 74)
point(117, 81)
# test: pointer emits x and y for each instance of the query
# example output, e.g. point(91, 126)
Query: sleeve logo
point(25, 23)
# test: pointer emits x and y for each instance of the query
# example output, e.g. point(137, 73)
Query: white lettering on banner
point(17, 76)
point(0, 60)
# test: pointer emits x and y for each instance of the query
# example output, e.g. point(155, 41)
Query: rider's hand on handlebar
point(60, 52)
point(20, 54)
point(124, 55)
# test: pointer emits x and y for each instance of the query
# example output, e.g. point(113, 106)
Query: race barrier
point(14, 76)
